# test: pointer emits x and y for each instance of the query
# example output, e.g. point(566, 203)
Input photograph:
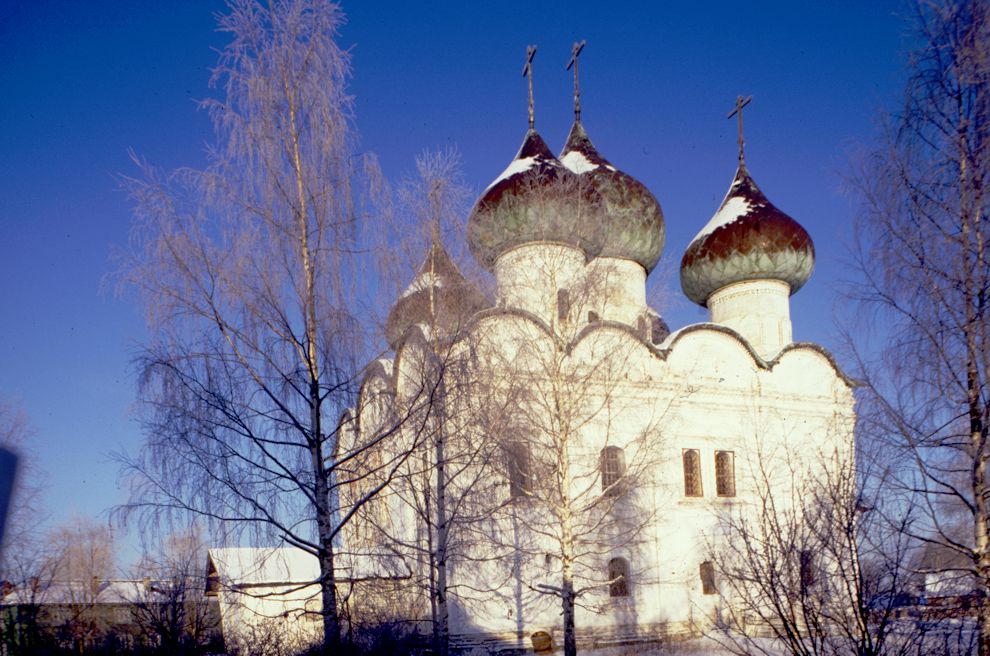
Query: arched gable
point(713, 352)
point(821, 355)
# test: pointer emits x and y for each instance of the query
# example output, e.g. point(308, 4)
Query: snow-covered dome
point(536, 199)
point(747, 239)
point(439, 296)
point(633, 220)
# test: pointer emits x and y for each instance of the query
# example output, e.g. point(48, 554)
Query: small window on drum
point(563, 304)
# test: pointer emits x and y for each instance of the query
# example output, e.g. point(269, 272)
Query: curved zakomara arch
point(670, 343)
point(380, 369)
point(664, 350)
point(417, 335)
point(346, 429)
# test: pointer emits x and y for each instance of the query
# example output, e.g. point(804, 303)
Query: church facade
point(556, 454)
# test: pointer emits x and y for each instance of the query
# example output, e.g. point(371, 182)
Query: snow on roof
point(578, 163)
point(669, 340)
point(423, 281)
point(265, 565)
point(515, 166)
point(732, 210)
point(99, 592)
point(386, 364)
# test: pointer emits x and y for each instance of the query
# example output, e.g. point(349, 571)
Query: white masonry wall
point(702, 389)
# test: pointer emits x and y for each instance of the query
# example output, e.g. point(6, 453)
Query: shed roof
point(263, 565)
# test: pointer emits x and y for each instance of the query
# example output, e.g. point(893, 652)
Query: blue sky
point(84, 82)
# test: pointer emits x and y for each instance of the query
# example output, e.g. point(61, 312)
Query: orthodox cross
point(528, 73)
point(737, 111)
point(575, 51)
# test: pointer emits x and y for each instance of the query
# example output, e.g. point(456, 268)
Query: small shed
point(266, 595)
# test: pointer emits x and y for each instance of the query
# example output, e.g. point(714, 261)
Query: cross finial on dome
point(528, 73)
point(575, 51)
point(737, 111)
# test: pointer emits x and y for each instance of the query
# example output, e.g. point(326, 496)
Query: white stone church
point(586, 448)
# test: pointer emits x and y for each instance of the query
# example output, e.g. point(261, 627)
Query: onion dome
point(439, 296)
point(633, 220)
point(747, 239)
point(536, 199)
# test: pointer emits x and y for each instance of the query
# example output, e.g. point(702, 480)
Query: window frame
point(612, 480)
point(692, 488)
point(618, 578)
point(519, 469)
point(706, 571)
point(807, 570)
point(563, 304)
point(725, 481)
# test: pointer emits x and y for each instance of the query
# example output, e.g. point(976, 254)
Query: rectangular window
point(807, 570)
point(613, 466)
point(725, 474)
point(520, 474)
point(707, 571)
point(563, 304)
point(692, 473)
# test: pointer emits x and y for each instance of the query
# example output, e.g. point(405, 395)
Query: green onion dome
point(633, 220)
point(747, 239)
point(536, 199)
point(439, 297)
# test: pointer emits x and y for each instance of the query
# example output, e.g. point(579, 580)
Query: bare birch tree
point(25, 514)
point(83, 561)
point(924, 256)
point(450, 470)
point(578, 475)
point(441, 482)
point(169, 602)
point(251, 274)
point(815, 565)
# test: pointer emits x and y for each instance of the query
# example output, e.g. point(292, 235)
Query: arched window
point(612, 463)
point(725, 474)
point(618, 578)
point(692, 473)
point(520, 472)
point(707, 572)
